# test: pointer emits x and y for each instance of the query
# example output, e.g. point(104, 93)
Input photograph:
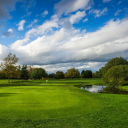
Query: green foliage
point(38, 73)
point(2, 75)
point(113, 62)
point(116, 76)
point(24, 72)
point(86, 74)
point(51, 76)
point(9, 66)
point(59, 75)
point(72, 73)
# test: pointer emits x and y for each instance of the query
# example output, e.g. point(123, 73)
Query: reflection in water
point(93, 88)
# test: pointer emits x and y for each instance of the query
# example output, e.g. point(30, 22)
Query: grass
point(59, 104)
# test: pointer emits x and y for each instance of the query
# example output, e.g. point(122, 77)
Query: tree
point(38, 73)
point(2, 75)
point(73, 73)
point(18, 73)
point(97, 74)
point(113, 62)
point(51, 75)
point(30, 69)
point(24, 73)
point(116, 76)
point(59, 75)
point(9, 66)
point(86, 74)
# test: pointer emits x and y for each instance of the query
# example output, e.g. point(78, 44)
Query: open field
point(58, 104)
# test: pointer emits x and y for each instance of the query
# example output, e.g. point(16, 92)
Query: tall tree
point(73, 73)
point(86, 74)
point(113, 62)
point(59, 75)
point(9, 66)
point(24, 73)
point(30, 69)
point(38, 73)
point(18, 72)
point(116, 76)
point(51, 75)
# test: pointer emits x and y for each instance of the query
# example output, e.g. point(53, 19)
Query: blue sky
point(61, 34)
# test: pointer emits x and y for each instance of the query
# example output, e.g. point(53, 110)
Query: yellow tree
point(8, 66)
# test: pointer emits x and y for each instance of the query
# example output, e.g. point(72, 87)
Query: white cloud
point(75, 18)
point(3, 52)
point(68, 6)
point(52, 68)
point(32, 23)
point(70, 45)
point(34, 32)
point(21, 25)
point(85, 20)
point(44, 13)
point(99, 13)
point(106, 1)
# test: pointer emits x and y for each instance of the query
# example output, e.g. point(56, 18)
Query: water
point(94, 88)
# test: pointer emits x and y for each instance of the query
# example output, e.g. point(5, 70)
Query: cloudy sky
point(61, 34)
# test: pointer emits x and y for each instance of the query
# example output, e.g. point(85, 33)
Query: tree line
point(113, 73)
point(11, 71)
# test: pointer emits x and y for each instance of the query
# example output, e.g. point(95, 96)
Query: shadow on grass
point(7, 94)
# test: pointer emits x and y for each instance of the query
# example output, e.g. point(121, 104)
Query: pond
point(93, 88)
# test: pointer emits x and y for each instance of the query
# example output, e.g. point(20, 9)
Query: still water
point(93, 88)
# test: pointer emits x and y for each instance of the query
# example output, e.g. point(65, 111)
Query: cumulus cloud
point(75, 18)
point(44, 13)
point(70, 45)
point(3, 52)
point(68, 6)
point(21, 25)
point(52, 68)
point(43, 29)
point(8, 33)
point(99, 13)
point(106, 1)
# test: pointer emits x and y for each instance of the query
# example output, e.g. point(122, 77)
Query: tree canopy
point(9, 67)
point(113, 62)
point(72, 73)
point(59, 75)
point(24, 72)
point(38, 73)
point(116, 76)
point(86, 74)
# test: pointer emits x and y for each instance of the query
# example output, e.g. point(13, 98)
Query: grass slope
point(58, 104)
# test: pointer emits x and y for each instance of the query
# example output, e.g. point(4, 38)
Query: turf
point(59, 104)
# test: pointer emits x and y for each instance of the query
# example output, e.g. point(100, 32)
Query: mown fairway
point(58, 104)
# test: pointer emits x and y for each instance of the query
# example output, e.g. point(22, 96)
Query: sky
point(61, 34)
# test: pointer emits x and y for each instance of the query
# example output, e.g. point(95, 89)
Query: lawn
point(59, 104)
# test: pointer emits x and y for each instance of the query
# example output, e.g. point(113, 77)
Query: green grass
point(59, 104)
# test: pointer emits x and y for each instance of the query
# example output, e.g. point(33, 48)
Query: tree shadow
point(6, 94)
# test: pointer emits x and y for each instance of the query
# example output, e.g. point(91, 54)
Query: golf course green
point(60, 104)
